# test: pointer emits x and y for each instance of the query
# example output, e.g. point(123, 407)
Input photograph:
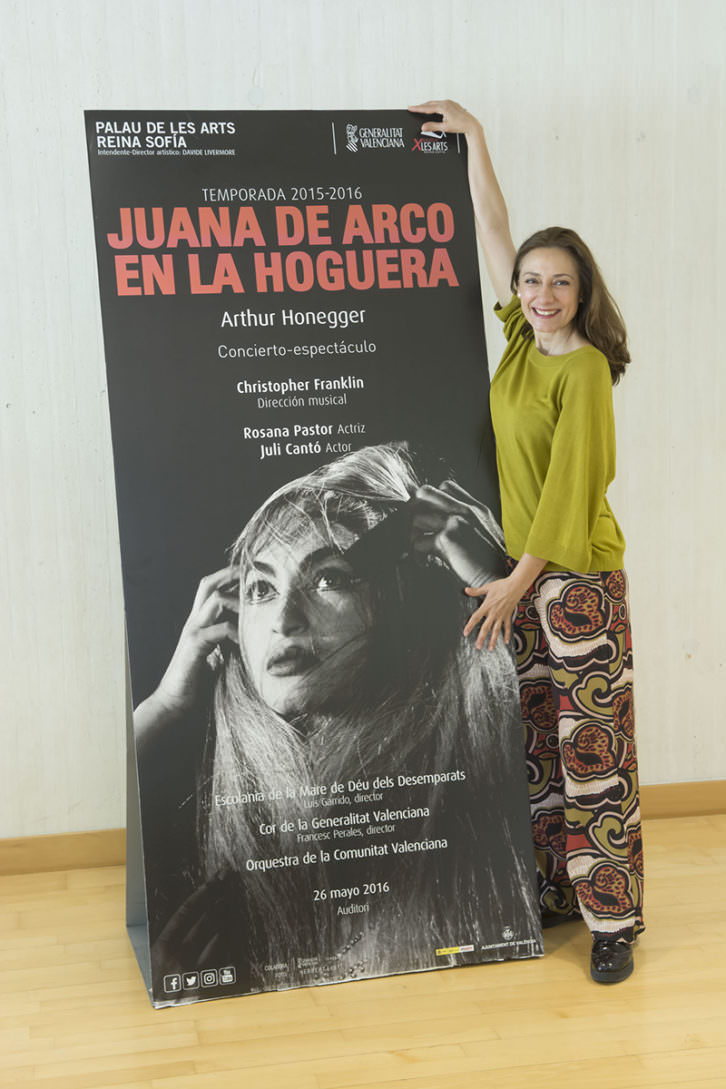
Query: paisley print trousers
point(574, 659)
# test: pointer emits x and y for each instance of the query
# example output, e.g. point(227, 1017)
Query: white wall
point(606, 115)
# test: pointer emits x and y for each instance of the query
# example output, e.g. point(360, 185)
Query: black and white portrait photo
point(329, 651)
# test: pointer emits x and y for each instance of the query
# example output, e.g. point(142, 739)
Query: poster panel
point(325, 779)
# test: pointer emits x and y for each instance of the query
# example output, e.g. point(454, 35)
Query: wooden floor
point(75, 1014)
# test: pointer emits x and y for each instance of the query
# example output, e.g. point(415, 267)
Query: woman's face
point(549, 289)
point(304, 619)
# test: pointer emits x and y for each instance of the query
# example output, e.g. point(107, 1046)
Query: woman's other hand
point(500, 599)
point(496, 612)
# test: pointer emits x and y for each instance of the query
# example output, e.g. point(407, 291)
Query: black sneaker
point(611, 961)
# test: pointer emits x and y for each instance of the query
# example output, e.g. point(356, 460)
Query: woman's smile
point(549, 290)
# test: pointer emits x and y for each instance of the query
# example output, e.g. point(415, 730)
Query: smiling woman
point(565, 300)
point(549, 290)
point(552, 411)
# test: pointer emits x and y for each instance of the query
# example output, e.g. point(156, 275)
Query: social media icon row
point(192, 981)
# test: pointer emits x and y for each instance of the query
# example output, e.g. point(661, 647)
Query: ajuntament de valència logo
point(372, 138)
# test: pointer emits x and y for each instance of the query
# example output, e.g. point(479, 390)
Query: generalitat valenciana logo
point(373, 138)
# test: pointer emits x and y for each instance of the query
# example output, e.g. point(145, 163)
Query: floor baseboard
point(699, 799)
point(72, 851)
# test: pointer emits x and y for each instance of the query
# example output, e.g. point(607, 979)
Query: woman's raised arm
point(490, 209)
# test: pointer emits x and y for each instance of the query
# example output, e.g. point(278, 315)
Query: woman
point(552, 412)
point(334, 633)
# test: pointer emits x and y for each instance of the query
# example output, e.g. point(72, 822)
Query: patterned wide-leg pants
point(574, 659)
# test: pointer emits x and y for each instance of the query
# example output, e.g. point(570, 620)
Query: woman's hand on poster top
point(451, 524)
point(211, 622)
point(454, 118)
point(495, 615)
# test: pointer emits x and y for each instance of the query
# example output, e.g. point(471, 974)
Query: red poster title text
point(205, 251)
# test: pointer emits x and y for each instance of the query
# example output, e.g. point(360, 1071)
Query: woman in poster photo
point(551, 400)
point(335, 633)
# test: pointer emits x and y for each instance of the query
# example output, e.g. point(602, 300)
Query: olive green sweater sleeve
point(573, 524)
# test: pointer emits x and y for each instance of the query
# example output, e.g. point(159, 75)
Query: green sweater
point(555, 432)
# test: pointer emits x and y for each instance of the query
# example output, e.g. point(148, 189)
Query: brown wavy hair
point(598, 318)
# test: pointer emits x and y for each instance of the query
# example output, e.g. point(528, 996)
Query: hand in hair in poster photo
point(330, 650)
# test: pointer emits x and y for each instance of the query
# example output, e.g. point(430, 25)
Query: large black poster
point(326, 780)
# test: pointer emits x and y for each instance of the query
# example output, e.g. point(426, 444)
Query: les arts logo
point(430, 143)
